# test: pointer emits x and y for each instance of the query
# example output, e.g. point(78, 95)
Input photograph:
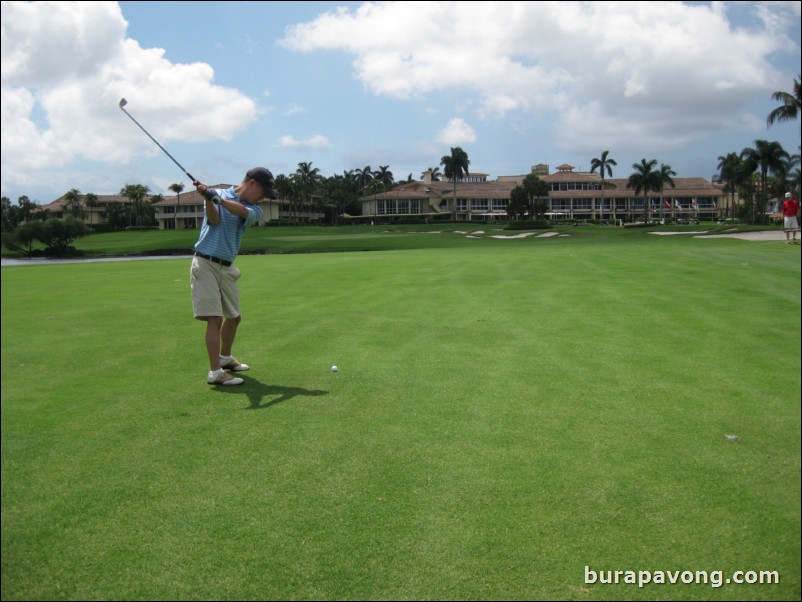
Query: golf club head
point(123, 102)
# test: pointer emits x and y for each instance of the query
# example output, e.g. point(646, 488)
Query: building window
point(401, 207)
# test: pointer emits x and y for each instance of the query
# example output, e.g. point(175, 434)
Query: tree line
point(755, 174)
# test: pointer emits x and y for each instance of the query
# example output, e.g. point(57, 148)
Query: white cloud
point(65, 66)
point(608, 71)
point(456, 132)
point(294, 109)
point(312, 143)
point(48, 43)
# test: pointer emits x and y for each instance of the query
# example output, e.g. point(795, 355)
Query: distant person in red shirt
point(790, 222)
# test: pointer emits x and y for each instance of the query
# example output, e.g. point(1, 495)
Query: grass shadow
point(257, 392)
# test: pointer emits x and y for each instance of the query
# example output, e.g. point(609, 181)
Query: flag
point(676, 204)
point(666, 204)
point(694, 204)
point(654, 207)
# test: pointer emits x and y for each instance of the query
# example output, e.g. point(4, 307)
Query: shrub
point(529, 225)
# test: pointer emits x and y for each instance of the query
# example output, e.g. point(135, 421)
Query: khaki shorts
point(214, 289)
point(790, 223)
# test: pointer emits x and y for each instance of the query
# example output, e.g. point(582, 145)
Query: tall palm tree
point(384, 176)
point(603, 164)
point(790, 108)
point(730, 167)
point(283, 187)
point(308, 179)
point(645, 179)
point(363, 177)
point(149, 209)
point(793, 179)
point(782, 179)
point(766, 157)
point(455, 167)
point(177, 188)
point(666, 174)
point(91, 201)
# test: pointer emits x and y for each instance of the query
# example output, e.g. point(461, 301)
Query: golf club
point(124, 102)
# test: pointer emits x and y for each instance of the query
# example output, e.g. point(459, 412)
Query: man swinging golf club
point(213, 277)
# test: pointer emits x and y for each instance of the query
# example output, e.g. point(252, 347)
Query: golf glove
point(211, 195)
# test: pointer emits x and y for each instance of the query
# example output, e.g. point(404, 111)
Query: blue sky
point(225, 86)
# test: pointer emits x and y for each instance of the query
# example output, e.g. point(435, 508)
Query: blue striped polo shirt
point(222, 240)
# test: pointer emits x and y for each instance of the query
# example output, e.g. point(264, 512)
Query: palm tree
point(363, 177)
point(117, 214)
point(25, 208)
point(177, 188)
point(284, 188)
point(384, 176)
point(537, 194)
point(308, 179)
point(766, 157)
point(455, 167)
point(91, 201)
point(136, 194)
point(72, 202)
point(782, 178)
point(603, 164)
point(790, 107)
point(645, 179)
point(730, 167)
point(793, 174)
point(665, 178)
point(435, 171)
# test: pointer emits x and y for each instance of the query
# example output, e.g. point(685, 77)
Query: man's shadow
point(257, 391)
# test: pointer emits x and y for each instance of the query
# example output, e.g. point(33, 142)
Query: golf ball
point(334, 369)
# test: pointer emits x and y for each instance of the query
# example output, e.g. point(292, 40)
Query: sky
point(225, 86)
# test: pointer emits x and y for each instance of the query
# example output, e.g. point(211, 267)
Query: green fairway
point(317, 239)
point(507, 415)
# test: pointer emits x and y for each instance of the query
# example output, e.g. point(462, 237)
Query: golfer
point(213, 278)
point(790, 221)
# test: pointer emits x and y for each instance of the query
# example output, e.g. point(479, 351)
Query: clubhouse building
point(573, 195)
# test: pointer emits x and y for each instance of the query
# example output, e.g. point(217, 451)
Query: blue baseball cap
point(265, 180)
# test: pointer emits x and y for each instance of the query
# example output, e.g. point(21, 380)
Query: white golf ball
point(334, 369)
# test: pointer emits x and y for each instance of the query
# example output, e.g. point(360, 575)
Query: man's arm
point(234, 207)
point(212, 211)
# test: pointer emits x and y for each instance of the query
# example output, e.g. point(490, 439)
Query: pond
point(7, 261)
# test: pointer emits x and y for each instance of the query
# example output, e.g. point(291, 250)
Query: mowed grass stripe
point(503, 416)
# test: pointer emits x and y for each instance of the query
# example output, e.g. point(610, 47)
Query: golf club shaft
point(122, 108)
